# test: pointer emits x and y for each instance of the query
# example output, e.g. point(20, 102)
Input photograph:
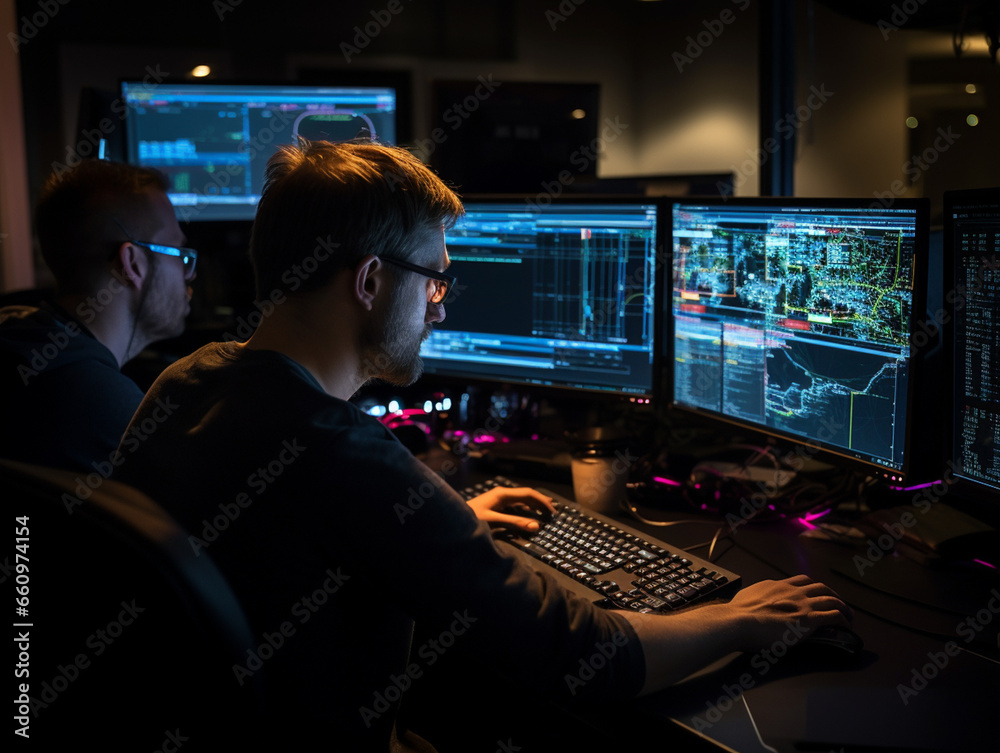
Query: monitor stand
point(770, 478)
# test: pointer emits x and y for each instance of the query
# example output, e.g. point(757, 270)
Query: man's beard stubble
point(388, 350)
point(157, 316)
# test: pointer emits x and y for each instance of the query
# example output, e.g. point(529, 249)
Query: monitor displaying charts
point(560, 294)
point(213, 140)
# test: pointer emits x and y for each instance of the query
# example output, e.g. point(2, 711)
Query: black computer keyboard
point(612, 564)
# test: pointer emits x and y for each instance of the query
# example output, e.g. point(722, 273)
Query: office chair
point(131, 638)
point(27, 297)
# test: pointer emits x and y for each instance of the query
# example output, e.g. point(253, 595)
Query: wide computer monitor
point(794, 318)
point(555, 294)
point(213, 140)
point(972, 315)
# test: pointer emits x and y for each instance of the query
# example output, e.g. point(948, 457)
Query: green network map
point(796, 322)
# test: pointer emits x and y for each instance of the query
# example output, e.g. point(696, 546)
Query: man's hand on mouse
point(500, 506)
point(773, 605)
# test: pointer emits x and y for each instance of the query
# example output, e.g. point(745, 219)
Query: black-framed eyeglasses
point(444, 282)
point(188, 256)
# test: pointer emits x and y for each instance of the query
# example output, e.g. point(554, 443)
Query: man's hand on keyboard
point(519, 508)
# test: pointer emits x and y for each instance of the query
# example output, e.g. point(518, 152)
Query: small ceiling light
point(911, 122)
point(578, 114)
point(200, 71)
point(972, 120)
point(970, 88)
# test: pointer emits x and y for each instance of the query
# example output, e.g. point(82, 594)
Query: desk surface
point(921, 684)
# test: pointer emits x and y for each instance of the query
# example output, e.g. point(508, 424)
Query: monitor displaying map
point(793, 317)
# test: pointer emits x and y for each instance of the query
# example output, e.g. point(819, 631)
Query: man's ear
point(133, 263)
point(368, 280)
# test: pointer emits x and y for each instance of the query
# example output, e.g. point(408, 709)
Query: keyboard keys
point(584, 548)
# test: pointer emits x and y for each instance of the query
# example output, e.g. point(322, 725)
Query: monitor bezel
point(814, 447)
point(979, 496)
point(557, 391)
point(198, 217)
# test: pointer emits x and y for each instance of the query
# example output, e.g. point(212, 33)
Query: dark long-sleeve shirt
point(336, 539)
point(63, 399)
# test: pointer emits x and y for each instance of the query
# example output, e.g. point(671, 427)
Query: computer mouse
point(835, 638)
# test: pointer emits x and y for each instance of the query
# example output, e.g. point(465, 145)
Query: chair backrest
point(27, 297)
point(131, 637)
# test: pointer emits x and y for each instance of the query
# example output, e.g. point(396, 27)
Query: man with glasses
point(109, 235)
point(335, 538)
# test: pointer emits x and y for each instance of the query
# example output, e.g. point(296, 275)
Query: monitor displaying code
point(972, 235)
